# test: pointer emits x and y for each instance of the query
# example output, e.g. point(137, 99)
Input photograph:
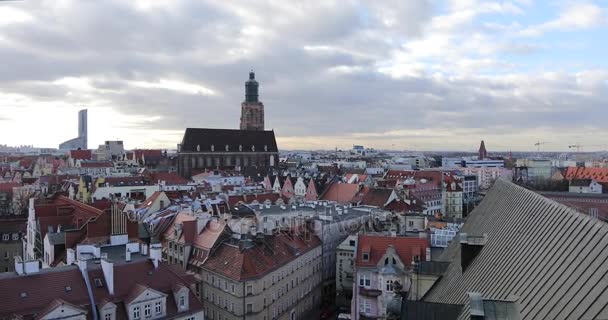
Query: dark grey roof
point(430, 311)
point(549, 258)
point(202, 139)
point(580, 182)
point(431, 267)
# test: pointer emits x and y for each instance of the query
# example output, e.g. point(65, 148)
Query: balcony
point(369, 292)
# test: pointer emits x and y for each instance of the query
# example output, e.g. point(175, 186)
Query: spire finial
point(251, 74)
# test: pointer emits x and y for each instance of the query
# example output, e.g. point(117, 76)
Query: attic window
point(365, 256)
point(23, 295)
point(98, 283)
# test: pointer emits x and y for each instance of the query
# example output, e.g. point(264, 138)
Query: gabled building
point(380, 262)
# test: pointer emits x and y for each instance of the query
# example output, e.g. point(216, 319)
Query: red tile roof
point(341, 193)
point(376, 245)
point(377, 197)
point(44, 287)
point(81, 154)
point(7, 187)
point(597, 174)
point(251, 263)
point(170, 178)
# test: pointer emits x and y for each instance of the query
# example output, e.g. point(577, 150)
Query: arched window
point(198, 147)
point(227, 148)
point(253, 148)
point(386, 261)
point(240, 147)
point(212, 148)
point(394, 261)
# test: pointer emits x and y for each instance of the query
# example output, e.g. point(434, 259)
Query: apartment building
point(263, 277)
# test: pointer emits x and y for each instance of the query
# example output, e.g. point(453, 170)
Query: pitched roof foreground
point(550, 258)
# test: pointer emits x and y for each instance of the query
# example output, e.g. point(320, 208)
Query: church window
point(252, 148)
point(212, 148)
point(227, 148)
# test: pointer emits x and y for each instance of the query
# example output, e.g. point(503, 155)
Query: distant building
point(252, 110)
point(530, 169)
point(251, 146)
point(110, 150)
point(584, 186)
point(81, 141)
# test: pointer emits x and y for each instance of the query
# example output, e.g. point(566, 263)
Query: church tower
point(252, 110)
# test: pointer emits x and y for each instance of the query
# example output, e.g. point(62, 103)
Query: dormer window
point(182, 302)
point(365, 256)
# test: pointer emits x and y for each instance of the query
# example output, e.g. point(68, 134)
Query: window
point(389, 285)
point(352, 243)
point(182, 301)
point(410, 223)
point(148, 311)
point(158, 307)
point(135, 312)
point(249, 308)
point(232, 288)
point(249, 290)
point(232, 307)
point(365, 256)
point(5, 237)
point(107, 316)
point(365, 307)
point(15, 236)
point(364, 281)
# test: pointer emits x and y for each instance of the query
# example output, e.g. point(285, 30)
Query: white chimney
point(19, 265)
point(155, 254)
point(108, 273)
point(70, 256)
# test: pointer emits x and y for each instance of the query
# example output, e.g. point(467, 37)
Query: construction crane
point(538, 144)
point(579, 146)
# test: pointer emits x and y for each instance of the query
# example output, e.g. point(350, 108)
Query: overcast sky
point(415, 74)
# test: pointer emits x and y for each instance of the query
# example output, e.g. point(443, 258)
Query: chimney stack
point(108, 273)
point(470, 246)
point(155, 254)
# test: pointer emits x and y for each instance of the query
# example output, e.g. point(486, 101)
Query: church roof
point(201, 140)
point(550, 258)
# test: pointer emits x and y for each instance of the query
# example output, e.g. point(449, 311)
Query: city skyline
point(422, 76)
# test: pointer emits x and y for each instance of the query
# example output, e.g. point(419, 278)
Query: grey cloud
point(112, 43)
